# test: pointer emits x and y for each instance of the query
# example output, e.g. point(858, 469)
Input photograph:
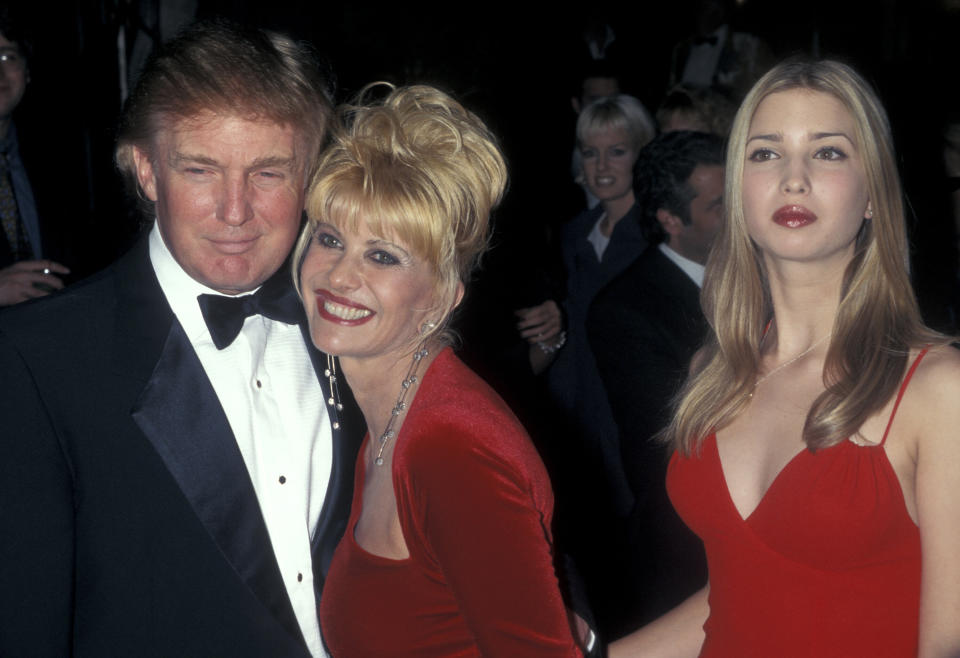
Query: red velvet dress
point(475, 507)
point(828, 564)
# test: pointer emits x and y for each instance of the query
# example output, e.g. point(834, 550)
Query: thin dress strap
point(903, 389)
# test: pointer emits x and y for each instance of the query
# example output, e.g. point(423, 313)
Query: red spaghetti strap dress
point(828, 564)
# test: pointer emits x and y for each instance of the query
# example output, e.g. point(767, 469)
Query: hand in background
point(540, 324)
point(28, 279)
point(542, 327)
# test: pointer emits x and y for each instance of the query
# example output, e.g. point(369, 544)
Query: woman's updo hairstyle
point(416, 167)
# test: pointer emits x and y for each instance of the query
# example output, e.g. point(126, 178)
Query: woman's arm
point(938, 506)
point(677, 634)
point(484, 525)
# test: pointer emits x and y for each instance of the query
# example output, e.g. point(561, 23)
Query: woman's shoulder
point(580, 225)
point(452, 390)
point(461, 420)
point(931, 386)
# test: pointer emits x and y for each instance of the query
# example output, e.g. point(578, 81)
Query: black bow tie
point(225, 315)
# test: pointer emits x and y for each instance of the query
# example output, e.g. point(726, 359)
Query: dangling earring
point(869, 213)
point(427, 327)
point(330, 372)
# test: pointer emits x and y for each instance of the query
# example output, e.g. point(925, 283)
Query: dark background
point(510, 63)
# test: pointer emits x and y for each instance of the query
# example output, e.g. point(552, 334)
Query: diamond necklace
point(401, 404)
point(408, 381)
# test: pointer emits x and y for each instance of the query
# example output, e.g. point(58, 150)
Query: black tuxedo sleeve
point(640, 372)
point(36, 520)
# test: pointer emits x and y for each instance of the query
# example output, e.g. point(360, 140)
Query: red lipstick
point(340, 310)
point(794, 216)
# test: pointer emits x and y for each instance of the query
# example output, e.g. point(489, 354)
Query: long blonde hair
point(877, 321)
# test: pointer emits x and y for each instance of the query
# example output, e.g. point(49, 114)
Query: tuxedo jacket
point(644, 329)
point(129, 523)
point(743, 59)
point(572, 379)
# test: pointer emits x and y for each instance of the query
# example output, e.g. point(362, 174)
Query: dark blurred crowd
point(586, 313)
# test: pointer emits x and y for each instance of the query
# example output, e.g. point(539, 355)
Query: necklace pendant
point(378, 461)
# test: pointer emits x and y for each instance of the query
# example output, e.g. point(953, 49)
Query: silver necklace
point(786, 363)
point(401, 404)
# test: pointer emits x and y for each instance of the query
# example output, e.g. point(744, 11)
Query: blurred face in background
point(608, 158)
point(13, 77)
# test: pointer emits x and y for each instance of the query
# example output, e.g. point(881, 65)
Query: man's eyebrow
point(177, 158)
point(289, 162)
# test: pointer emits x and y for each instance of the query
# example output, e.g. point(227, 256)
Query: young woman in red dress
point(818, 437)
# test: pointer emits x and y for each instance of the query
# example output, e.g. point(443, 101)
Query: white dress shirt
point(598, 239)
point(269, 392)
point(692, 269)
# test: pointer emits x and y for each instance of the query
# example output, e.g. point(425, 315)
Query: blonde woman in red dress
point(818, 437)
point(448, 548)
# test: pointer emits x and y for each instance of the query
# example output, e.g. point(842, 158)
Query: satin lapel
point(180, 414)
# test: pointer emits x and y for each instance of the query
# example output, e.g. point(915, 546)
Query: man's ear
point(146, 176)
point(672, 225)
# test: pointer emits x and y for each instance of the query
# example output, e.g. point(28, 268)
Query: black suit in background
point(644, 328)
point(130, 525)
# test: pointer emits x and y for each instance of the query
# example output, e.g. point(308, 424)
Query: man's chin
point(235, 283)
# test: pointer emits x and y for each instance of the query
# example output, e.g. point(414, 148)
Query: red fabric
point(828, 564)
point(475, 507)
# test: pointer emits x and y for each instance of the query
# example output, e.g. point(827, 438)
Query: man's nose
point(235, 207)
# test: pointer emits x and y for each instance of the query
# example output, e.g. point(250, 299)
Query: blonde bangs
point(388, 204)
point(418, 169)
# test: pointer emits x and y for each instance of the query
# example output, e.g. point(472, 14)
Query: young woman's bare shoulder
point(935, 388)
point(940, 368)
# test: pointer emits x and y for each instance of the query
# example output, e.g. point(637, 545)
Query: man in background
point(24, 272)
point(644, 328)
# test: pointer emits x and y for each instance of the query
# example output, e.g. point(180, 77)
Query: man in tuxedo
point(644, 328)
point(717, 56)
point(174, 469)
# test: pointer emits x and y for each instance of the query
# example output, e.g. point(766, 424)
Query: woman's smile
point(340, 310)
point(371, 294)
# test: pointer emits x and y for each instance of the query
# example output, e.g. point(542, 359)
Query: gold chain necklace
point(783, 365)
